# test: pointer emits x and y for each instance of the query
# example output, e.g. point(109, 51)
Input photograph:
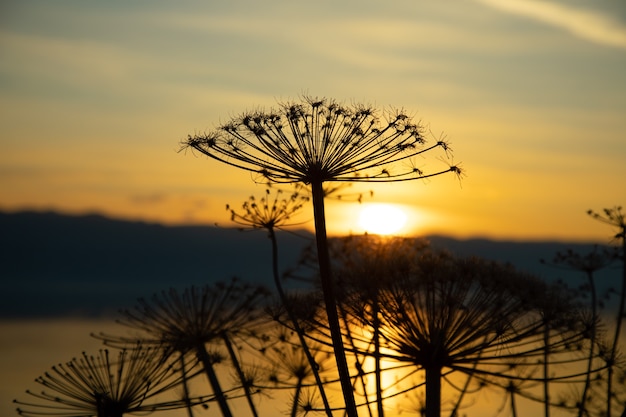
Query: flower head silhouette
point(317, 141)
point(106, 385)
point(613, 217)
point(475, 317)
point(188, 322)
point(616, 218)
point(461, 323)
point(269, 212)
point(197, 316)
point(274, 213)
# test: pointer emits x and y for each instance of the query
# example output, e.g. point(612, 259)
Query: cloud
point(590, 25)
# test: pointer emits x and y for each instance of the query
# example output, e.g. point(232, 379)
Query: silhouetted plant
point(446, 317)
point(188, 322)
point(271, 214)
point(289, 368)
point(588, 264)
point(616, 218)
point(366, 267)
point(599, 398)
point(456, 313)
point(318, 141)
point(107, 385)
point(558, 321)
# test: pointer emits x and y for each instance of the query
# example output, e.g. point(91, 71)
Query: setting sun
point(382, 219)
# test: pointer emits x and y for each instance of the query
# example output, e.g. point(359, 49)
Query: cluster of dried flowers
point(409, 319)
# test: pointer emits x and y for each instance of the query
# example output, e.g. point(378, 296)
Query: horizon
point(92, 264)
point(596, 239)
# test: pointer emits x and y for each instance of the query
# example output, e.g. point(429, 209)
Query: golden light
point(382, 219)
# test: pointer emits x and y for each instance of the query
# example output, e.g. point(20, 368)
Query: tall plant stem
point(513, 405)
point(296, 399)
point(358, 363)
point(305, 347)
point(546, 369)
point(203, 356)
point(240, 374)
point(377, 358)
point(592, 342)
point(104, 413)
point(466, 386)
point(618, 326)
point(433, 391)
point(328, 289)
point(185, 384)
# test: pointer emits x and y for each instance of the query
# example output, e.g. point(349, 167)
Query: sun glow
point(382, 219)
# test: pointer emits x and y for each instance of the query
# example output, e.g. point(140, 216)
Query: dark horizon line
point(95, 213)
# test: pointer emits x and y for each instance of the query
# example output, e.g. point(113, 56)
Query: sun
point(382, 219)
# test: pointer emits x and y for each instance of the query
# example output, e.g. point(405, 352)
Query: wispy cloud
point(587, 24)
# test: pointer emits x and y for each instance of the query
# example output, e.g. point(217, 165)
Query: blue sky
point(96, 96)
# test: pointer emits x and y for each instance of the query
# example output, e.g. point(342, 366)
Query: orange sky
point(95, 98)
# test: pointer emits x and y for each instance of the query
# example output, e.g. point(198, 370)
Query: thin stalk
point(103, 413)
point(296, 399)
point(433, 391)
point(185, 385)
point(377, 356)
point(328, 290)
point(592, 342)
point(457, 406)
point(203, 356)
point(513, 405)
point(618, 327)
point(358, 364)
point(546, 370)
point(240, 374)
point(296, 325)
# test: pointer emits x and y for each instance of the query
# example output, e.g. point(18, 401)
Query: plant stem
point(546, 370)
point(296, 325)
point(296, 399)
point(433, 391)
point(185, 384)
point(513, 405)
point(360, 376)
point(328, 290)
point(377, 358)
point(592, 342)
point(618, 326)
point(203, 355)
point(240, 374)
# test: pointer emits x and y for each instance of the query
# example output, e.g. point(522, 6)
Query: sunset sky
point(95, 98)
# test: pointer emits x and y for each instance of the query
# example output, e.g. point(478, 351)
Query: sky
point(96, 97)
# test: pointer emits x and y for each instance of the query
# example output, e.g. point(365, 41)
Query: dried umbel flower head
point(269, 212)
point(614, 217)
point(316, 141)
point(198, 318)
point(105, 385)
point(458, 317)
point(320, 140)
point(594, 260)
point(198, 315)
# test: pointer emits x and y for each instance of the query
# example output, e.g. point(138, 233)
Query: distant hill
point(89, 265)
point(53, 264)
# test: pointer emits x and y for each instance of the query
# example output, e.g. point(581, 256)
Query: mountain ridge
point(53, 264)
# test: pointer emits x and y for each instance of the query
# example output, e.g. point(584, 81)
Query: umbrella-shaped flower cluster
point(319, 140)
point(106, 385)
